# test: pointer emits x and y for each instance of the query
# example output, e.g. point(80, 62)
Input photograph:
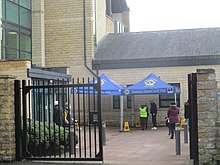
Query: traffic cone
point(126, 127)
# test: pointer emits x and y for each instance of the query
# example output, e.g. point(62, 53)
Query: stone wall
point(7, 119)
point(208, 115)
point(16, 67)
point(217, 156)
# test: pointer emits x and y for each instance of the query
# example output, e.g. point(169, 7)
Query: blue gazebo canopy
point(108, 87)
point(150, 85)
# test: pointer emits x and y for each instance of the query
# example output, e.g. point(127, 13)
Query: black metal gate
point(40, 137)
point(193, 117)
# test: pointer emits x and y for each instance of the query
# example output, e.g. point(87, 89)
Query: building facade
point(171, 55)
point(53, 39)
point(58, 34)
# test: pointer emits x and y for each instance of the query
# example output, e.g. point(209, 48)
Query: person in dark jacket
point(57, 114)
point(153, 111)
point(172, 114)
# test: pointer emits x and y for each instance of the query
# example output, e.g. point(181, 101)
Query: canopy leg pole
point(175, 98)
point(121, 113)
point(132, 108)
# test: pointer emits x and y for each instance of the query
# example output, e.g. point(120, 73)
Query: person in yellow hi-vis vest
point(67, 119)
point(143, 116)
point(67, 116)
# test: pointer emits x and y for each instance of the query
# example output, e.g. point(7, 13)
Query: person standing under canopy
point(143, 116)
point(153, 111)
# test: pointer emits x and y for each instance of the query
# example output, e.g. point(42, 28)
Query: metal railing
point(39, 137)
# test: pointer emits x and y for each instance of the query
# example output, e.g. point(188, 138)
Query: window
point(116, 102)
point(12, 45)
point(12, 12)
point(25, 17)
point(16, 29)
point(25, 44)
point(166, 99)
point(25, 3)
point(129, 102)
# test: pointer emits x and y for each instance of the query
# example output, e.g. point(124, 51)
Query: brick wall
point(64, 39)
point(7, 122)
point(101, 19)
point(110, 26)
point(38, 39)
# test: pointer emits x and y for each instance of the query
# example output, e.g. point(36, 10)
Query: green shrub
point(41, 141)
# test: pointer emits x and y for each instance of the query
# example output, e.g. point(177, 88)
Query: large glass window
point(25, 43)
point(15, 1)
point(12, 39)
point(16, 24)
point(26, 3)
point(12, 12)
point(25, 17)
point(166, 99)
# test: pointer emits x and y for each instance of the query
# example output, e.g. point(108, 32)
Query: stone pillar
point(7, 119)
point(207, 116)
point(217, 156)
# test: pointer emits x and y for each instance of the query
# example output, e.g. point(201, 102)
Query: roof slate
point(157, 44)
point(118, 6)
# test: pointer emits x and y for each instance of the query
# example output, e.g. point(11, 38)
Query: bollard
point(104, 133)
point(177, 134)
point(72, 140)
point(185, 126)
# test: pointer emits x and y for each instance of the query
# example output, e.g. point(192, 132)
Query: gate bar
point(17, 98)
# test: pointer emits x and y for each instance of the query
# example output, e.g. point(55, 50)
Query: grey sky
point(149, 15)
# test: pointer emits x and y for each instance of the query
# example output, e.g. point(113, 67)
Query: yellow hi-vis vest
point(143, 112)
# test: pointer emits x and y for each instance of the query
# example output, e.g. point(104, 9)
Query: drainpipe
point(84, 28)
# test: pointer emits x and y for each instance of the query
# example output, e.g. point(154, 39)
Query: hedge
point(42, 142)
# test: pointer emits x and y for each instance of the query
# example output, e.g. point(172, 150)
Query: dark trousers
point(172, 129)
point(143, 122)
point(154, 120)
point(146, 122)
point(169, 129)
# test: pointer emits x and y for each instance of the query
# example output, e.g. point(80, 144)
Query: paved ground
point(137, 147)
point(148, 147)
